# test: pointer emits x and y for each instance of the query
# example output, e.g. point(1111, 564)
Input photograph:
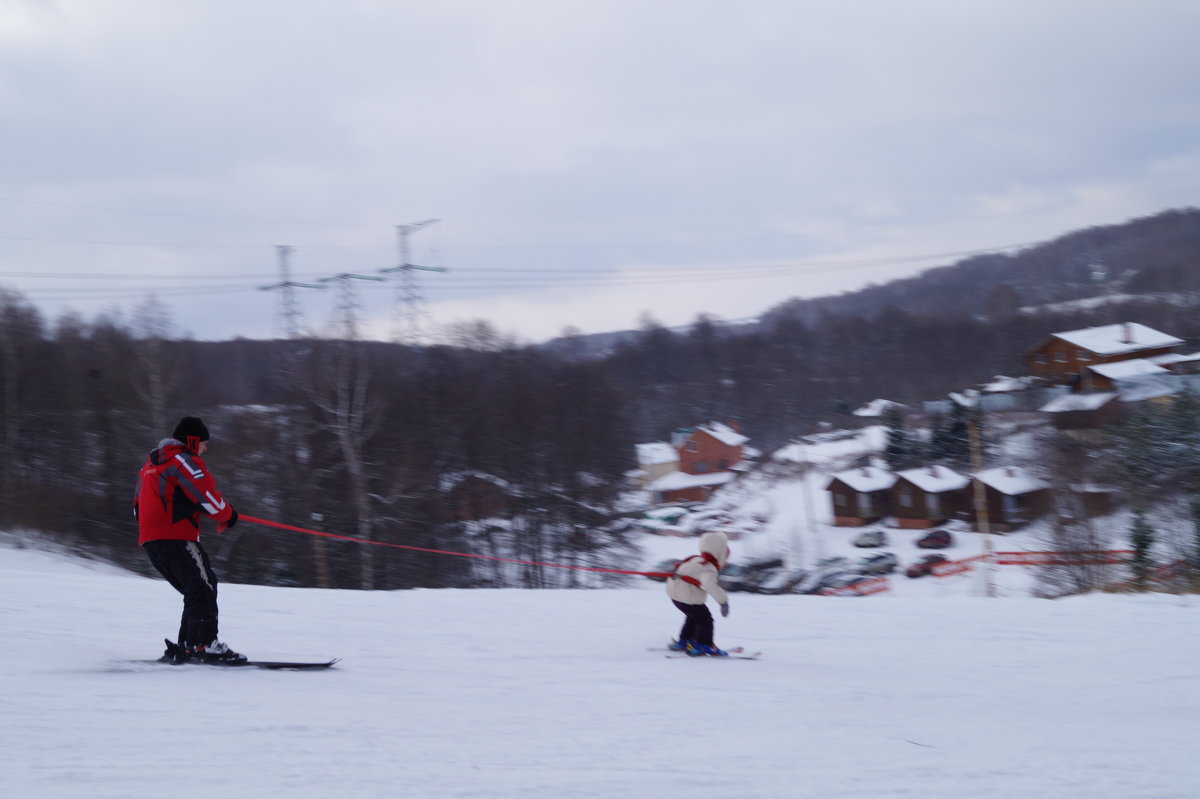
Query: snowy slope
point(509, 693)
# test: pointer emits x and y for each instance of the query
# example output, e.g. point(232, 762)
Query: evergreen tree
point(1142, 538)
point(950, 439)
point(1140, 450)
point(1195, 554)
point(1182, 428)
point(898, 451)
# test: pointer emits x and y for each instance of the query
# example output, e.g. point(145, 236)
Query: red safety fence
point(952, 567)
point(1087, 557)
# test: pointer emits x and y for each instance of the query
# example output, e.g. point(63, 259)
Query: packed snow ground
point(511, 693)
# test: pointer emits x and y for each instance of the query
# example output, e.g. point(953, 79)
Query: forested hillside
point(396, 444)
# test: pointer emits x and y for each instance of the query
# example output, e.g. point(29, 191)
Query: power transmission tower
point(410, 302)
point(348, 306)
point(288, 320)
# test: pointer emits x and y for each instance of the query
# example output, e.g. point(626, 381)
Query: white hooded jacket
point(702, 571)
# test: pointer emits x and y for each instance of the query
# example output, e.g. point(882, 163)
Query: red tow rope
point(306, 531)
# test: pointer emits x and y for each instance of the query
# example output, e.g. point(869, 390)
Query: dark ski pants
point(185, 566)
point(697, 623)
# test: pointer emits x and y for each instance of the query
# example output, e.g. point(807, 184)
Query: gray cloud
point(610, 136)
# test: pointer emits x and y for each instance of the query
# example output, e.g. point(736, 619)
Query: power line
point(569, 271)
point(289, 309)
point(410, 302)
point(185, 215)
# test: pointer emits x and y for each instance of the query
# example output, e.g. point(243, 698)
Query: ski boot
point(682, 645)
point(216, 652)
point(175, 655)
point(701, 650)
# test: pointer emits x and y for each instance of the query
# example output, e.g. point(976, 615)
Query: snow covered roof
point(448, 481)
point(935, 479)
point(1001, 384)
point(865, 479)
point(1078, 402)
point(1173, 358)
point(680, 480)
point(1144, 387)
point(876, 407)
point(656, 452)
point(724, 433)
point(1118, 338)
point(1121, 370)
point(1011, 480)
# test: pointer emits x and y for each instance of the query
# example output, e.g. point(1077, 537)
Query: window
point(906, 500)
point(1084, 356)
point(1060, 357)
point(693, 446)
point(1041, 357)
point(839, 500)
point(699, 467)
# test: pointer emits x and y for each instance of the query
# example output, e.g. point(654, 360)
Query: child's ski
point(736, 649)
point(731, 656)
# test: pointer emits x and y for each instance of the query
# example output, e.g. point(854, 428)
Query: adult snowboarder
point(694, 579)
point(173, 489)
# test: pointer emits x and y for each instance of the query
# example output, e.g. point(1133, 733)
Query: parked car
point(843, 581)
point(924, 565)
point(732, 577)
point(877, 563)
point(758, 572)
point(748, 576)
point(816, 583)
point(936, 539)
point(871, 538)
point(832, 562)
point(667, 565)
point(782, 581)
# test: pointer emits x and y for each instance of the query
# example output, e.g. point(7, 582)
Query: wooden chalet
point(470, 496)
point(709, 456)
point(1013, 497)
point(926, 497)
point(655, 459)
point(859, 496)
point(1083, 415)
point(1063, 357)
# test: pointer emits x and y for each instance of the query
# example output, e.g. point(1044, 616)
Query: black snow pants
point(185, 566)
point(697, 623)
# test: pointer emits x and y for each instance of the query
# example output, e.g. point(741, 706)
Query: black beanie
point(190, 428)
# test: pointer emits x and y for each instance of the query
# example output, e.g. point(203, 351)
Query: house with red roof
point(709, 456)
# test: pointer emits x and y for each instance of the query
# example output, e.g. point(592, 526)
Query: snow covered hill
point(510, 693)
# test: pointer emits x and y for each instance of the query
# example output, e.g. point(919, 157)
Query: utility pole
point(406, 326)
point(981, 511)
point(288, 320)
point(348, 306)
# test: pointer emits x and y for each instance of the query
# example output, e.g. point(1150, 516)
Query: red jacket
point(173, 489)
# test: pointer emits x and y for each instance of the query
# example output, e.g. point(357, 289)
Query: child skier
point(689, 586)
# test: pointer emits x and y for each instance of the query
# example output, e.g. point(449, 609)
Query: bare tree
point(158, 375)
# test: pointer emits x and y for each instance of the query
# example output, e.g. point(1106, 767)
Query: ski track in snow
point(511, 693)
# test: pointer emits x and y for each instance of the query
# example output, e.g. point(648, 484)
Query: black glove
point(724, 608)
point(233, 517)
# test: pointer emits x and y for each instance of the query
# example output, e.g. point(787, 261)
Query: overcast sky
point(589, 162)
